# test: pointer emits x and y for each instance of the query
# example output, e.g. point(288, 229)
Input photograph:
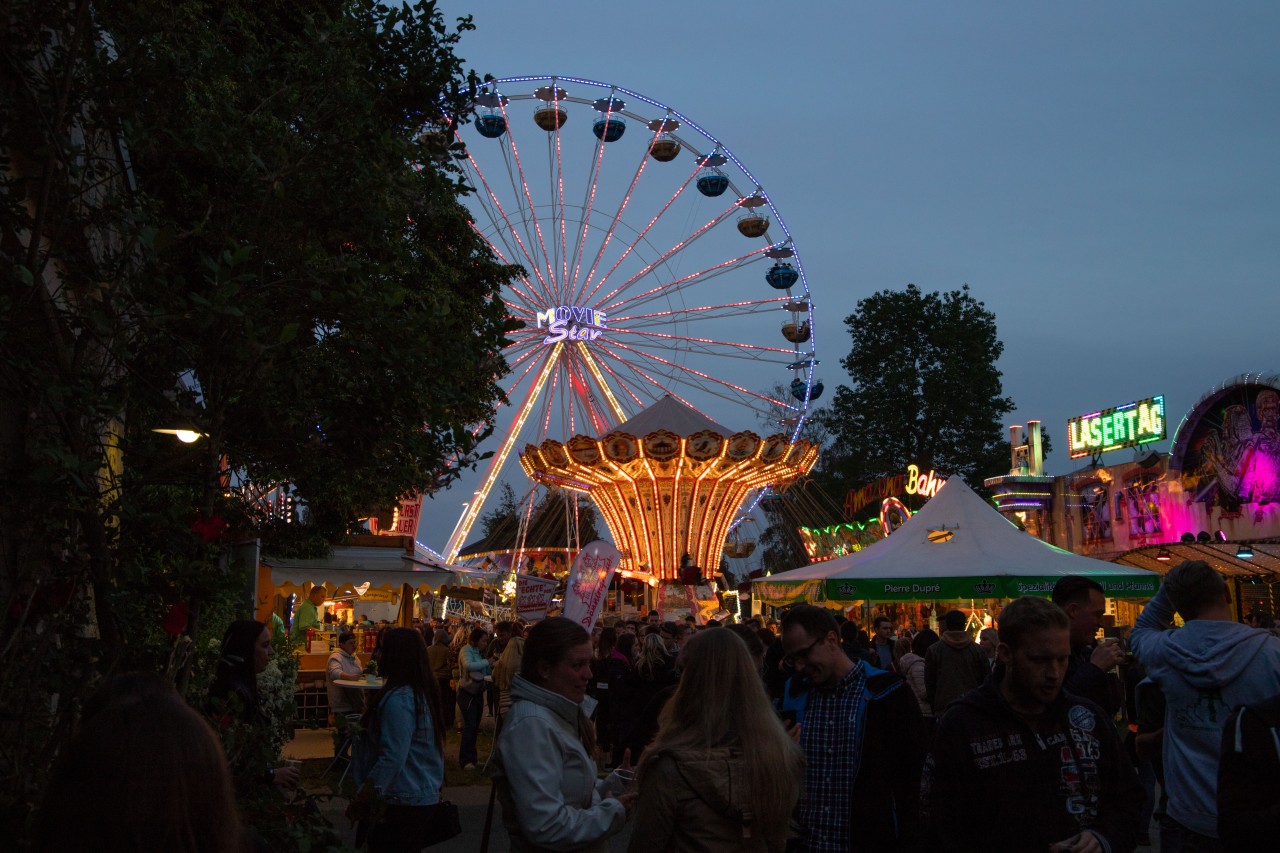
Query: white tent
point(956, 547)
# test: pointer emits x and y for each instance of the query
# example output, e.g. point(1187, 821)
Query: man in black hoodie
point(1043, 768)
point(1089, 671)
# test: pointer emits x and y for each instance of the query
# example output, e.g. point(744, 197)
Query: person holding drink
point(546, 753)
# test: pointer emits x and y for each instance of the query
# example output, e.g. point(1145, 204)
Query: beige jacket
point(700, 802)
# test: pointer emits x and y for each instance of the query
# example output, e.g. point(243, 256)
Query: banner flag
point(589, 581)
point(533, 597)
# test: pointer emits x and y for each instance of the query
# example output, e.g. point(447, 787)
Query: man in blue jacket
point(1205, 669)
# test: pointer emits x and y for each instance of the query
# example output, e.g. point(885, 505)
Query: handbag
point(443, 824)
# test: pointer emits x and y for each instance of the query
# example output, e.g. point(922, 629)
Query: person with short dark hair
point(144, 773)
point(882, 642)
point(1019, 764)
point(1205, 669)
point(953, 666)
point(861, 733)
point(308, 613)
point(344, 665)
point(1089, 673)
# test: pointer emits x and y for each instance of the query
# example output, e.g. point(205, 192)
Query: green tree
point(924, 389)
point(226, 213)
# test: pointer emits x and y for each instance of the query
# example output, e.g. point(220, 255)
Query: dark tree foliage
point(924, 389)
point(225, 214)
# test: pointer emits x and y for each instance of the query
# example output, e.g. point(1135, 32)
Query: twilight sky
point(1105, 176)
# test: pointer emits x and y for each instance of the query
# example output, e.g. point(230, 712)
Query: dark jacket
point(1249, 778)
point(891, 747)
point(1033, 789)
point(1086, 680)
point(887, 791)
point(952, 667)
point(636, 710)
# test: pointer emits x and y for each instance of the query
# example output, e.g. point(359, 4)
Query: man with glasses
point(862, 736)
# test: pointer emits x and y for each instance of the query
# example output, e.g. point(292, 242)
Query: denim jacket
point(397, 752)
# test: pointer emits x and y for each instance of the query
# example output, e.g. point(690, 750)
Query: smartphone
point(788, 717)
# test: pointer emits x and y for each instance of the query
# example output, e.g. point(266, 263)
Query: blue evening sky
point(1104, 175)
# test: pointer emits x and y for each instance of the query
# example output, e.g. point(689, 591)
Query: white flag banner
point(533, 597)
point(589, 581)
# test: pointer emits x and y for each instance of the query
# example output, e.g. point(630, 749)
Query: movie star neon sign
point(571, 323)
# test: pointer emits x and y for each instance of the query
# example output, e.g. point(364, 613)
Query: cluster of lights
point(660, 508)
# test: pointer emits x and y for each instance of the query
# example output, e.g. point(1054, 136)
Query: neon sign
point(925, 486)
point(1140, 422)
point(571, 323)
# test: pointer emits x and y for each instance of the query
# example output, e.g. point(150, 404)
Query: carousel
point(669, 483)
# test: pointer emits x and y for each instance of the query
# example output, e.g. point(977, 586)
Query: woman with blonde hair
point(723, 774)
point(505, 671)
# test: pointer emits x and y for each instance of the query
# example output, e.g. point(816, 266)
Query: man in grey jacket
point(1205, 669)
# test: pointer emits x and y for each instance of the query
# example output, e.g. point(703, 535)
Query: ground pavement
point(468, 789)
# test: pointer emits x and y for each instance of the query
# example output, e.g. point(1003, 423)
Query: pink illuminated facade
point(1215, 496)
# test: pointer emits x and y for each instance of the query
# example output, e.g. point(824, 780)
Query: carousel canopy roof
point(956, 546)
point(670, 414)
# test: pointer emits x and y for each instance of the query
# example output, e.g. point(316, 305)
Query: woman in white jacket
point(546, 756)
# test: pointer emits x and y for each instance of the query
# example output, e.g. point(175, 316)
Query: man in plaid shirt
point(863, 738)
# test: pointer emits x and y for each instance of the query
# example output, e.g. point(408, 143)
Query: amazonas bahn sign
point(951, 589)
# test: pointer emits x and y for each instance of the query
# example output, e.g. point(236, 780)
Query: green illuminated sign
point(1140, 422)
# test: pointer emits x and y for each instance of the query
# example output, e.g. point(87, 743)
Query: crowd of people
point(810, 734)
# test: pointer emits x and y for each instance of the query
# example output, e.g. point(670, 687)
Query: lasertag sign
point(571, 323)
point(1140, 422)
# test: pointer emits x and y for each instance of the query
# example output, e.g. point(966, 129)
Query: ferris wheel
point(654, 264)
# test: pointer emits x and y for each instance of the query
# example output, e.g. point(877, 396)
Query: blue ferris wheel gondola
point(491, 125)
point(712, 184)
point(798, 388)
point(782, 276)
point(609, 129)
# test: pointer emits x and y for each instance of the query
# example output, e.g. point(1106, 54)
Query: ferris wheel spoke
point(664, 290)
point(638, 239)
point(469, 517)
point(558, 193)
point(637, 381)
point(523, 279)
point(713, 382)
point(510, 227)
point(588, 204)
point(523, 185)
point(706, 344)
point(699, 313)
point(613, 224)
point(666, 256)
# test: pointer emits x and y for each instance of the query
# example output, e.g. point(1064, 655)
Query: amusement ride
point(654, 264)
